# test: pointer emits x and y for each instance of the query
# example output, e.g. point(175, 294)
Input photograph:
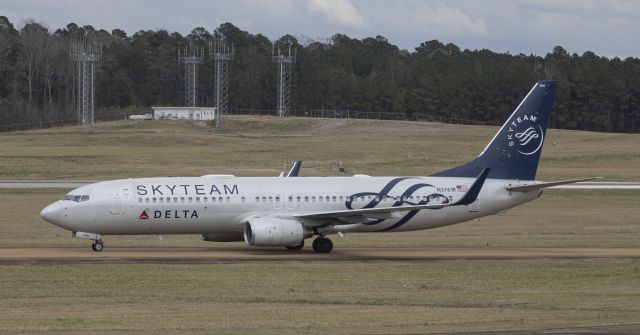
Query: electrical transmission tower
point(284, 59)
point(190, 57)
point(222, 54)
point(85, 54)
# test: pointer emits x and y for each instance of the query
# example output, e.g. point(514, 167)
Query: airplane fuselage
point(191, 205)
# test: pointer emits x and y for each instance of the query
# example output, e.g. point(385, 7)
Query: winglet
point(295, 169)
point(473, 192)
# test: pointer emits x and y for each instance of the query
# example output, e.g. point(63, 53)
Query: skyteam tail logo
point(525, 134)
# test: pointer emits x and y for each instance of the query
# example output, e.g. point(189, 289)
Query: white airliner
point(279, 211)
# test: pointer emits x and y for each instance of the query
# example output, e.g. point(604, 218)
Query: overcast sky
point(609, 28)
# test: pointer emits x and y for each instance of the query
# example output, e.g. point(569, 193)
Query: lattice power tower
point(284, 59)
point(191, 57)
point(85, 54)
point(222, 53)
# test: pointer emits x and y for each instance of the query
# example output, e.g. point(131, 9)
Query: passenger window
point(190, 199)
point(161, 199)
point(306, 198)
point(146, 200)
point(140, 200)
point(320, 198)
point(341, 198)
point(219, 199)
point(242, 199)
point(228, 199)
point(298, 198)
point(290, 199)
point(313, 198)
point(264, 199)
point(153, 199)
point(197, 199)
point(277, 199)
point(334, 198)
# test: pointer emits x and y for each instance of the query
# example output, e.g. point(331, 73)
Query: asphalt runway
point(221, 255)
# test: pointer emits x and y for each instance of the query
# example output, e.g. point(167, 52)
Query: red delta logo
point(143, 215)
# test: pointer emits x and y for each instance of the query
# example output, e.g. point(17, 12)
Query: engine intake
point(273, 232)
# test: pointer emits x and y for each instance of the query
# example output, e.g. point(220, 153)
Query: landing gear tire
point(97, 246)
point(296, 246)
point(322, 245)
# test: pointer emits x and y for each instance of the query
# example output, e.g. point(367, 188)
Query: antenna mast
point(284, 59)
point(85, 54)
point(190, 57)
point(222, 53)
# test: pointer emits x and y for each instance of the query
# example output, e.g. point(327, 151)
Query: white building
point(184, 113)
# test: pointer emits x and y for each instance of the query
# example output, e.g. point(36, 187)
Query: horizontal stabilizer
point(541, 185)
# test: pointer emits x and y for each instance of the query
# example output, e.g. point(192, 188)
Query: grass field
point(321, 297)
point(318, 298)
point(261, 146)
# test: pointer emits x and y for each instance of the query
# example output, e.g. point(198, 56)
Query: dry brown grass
point(262, 145)
point(318, 298)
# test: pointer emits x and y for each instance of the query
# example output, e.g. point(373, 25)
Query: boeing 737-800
point(279, 211)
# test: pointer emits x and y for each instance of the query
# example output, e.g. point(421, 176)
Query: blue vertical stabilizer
point(514, 152)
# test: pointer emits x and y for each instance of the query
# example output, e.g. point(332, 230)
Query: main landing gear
point(322, 245)
point(97, 246)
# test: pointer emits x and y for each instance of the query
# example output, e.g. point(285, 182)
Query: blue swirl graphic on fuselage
point(400, 200)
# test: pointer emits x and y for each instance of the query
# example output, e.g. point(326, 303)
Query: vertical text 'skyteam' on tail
point(514, 151)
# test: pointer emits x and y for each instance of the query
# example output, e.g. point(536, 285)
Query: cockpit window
point(76, 198)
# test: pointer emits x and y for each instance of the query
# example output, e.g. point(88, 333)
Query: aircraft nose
point(52, 213)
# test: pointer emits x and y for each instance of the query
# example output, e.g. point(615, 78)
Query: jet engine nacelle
point(273, 232)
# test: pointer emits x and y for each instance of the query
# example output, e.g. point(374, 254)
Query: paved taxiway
point(277, 255)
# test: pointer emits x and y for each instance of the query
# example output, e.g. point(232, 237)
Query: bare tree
point(33, 38)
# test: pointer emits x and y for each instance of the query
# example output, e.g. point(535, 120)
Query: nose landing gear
point(97, 246)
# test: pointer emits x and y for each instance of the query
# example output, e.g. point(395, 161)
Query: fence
point(349, 114)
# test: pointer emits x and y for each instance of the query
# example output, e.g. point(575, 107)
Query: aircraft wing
point(360, 215)
point(540, 185)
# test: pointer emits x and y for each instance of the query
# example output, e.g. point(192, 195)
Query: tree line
point(435, 80)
